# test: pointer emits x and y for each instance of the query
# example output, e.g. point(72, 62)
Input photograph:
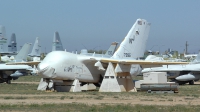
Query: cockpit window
point(139, 22)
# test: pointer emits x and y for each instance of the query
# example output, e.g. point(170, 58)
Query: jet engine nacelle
point(17, 74)
point(34, 72)
point(132, 69)
point(135, 70)
point(188, 77)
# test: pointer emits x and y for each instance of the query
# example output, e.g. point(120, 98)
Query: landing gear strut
point(191, 82)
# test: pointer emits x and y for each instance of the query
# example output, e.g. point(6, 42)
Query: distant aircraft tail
point(3, 40)
point(57, 44)
point(36, 48)
point(134, 44)
point(2, 32)
point(23, 53)
point(12, 46)
point(111, 49)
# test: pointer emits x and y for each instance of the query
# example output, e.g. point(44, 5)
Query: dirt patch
point(189, 95)
point(97, 100)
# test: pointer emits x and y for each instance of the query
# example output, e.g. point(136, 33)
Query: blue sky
point(95, 24)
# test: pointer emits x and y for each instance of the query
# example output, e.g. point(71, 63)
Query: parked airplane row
point(180, 73)
point(10, 72)
point(91, 68)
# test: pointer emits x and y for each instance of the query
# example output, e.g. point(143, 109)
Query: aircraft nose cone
point(46, 70)
point(42, 67)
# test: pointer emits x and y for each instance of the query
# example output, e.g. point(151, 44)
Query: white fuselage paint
point(67, 66)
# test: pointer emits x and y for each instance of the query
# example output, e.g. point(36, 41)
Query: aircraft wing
point(143, 63)
point(164, 68)
point(24, 63)
point(14, 67)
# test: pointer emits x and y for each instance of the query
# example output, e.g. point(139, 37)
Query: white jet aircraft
point(13, 72)
point(61, 65)
point(180, 73)
point(21, 56)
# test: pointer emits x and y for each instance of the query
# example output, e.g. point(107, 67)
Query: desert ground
point(22, 94)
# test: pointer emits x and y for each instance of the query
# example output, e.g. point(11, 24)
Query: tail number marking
point(127, 54)
point(110, 53)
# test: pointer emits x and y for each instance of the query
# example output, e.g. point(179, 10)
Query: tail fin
point(134, 44)
point(36, 48)
point(3, 40)
point(12, 46)
point(111, 49)
point(57, 44)
point(23, 53)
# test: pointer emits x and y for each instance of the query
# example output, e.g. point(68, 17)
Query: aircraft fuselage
point(63, 65)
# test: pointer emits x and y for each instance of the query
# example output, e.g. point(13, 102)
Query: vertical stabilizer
point(23, 53)
point(12, 46)
point(111, 49)
point(134, 44)
point(57, 44)
point(3, 40)
point(36, 48)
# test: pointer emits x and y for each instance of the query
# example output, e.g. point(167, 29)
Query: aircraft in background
point(61, 65)
point(190, 57)
point(7, 48)
point(13, 72)
point(36, 51)
point(3, 40)
point(57, 44)
point(21, 56)
point(12, 46)
point(181, 74)
point(111, 50)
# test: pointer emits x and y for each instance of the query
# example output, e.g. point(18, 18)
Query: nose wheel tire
point(8, 81)
point(191, 82)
